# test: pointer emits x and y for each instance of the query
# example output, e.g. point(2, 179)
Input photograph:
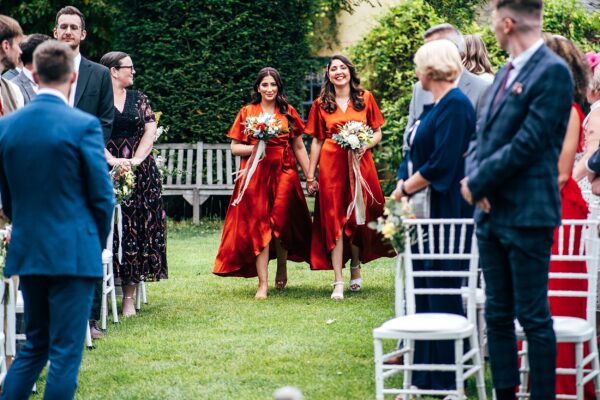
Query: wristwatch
point(403, 190)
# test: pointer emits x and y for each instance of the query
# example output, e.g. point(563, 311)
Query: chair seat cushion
point(566, 328)
point(427, 322)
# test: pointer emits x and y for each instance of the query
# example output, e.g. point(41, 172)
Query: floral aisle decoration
point(391, 225)
point(353, 136)
point(263, 128)
point(123, 180)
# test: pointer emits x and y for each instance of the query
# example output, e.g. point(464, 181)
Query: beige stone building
point(353, 27)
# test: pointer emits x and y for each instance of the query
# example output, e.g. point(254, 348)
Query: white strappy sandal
point(356, 284)
point(337, 295)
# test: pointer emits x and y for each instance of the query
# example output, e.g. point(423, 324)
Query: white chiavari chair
point(574, 330)
point(409, 326)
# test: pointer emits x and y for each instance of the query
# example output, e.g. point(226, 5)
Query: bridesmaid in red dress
point(271, 220)
point(573, 207)
point(335, 237)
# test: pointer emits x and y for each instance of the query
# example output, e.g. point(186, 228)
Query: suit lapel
point(27, 85)
point(83, 78)
point(521, 78)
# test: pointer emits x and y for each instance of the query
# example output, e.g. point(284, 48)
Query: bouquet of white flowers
point(263, 128)
point(123, 182)
point(353, 135)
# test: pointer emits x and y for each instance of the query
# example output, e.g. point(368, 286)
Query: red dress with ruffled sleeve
point(573, 207)
point(334, 195)
point(273, 203)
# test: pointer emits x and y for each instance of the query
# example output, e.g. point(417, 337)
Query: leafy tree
point(38, 16)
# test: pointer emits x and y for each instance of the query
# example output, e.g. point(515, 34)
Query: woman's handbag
point(421, 201)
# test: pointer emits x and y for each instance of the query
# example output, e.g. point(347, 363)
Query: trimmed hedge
point(197, 61)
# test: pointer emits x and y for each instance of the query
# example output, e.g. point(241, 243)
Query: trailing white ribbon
point(357, 184)
point(246, 173)
point(120, 231)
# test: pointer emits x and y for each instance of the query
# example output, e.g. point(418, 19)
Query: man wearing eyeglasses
point(92, 92)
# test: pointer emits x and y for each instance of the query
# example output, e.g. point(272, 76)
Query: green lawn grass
point(205, 337)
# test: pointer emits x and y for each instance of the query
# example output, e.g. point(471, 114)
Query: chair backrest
point(440, 240)
point(578, 242)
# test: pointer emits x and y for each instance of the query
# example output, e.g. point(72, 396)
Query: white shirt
point(522, 59)
point(76, 64)
point(29, 76)
point(54, 92)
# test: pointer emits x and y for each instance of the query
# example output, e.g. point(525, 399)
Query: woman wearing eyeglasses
point(143, 241)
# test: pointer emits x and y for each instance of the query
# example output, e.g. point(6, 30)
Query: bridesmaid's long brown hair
point(327, 94)
point(281, 101)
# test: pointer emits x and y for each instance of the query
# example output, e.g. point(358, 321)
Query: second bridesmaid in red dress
point(271, 219)
point(335, 237)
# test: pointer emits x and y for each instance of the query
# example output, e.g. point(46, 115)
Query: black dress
point(144, 252)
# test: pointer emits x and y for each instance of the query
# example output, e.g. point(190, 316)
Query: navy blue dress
point(438, 153)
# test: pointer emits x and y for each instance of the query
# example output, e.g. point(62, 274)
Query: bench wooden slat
point(229, 168)
point(179, 166)
point(209, 166)
point(175, 146)
point(199, 162)
point(238, 159)
point(170, 166)
point(188, 167)
point(219, 166)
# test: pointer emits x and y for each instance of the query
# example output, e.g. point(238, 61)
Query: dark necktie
point(502, 88)
point(1, 111)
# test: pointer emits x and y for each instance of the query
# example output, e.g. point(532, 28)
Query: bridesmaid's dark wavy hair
point(327, 94)
point(281, 101)
point(113, 59)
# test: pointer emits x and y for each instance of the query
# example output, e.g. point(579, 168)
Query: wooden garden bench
point(204, 170)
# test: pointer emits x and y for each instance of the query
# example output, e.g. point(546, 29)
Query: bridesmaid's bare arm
point(240, 149)
point(569, 148)
point(301, 154)
point(592, 139)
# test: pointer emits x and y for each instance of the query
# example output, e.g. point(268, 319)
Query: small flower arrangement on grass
point(391, 226)
point(353, 135)
point(123, 182)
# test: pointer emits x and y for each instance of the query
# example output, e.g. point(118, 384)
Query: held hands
point(312, 187)
point(484, 203)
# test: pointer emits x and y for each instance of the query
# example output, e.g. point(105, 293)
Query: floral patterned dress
point(144, 252)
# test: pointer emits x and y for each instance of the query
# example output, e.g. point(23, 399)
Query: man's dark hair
point(70, 10)
point(532, 7)
point(9, 29)
point(53, 62)
point(29, 45)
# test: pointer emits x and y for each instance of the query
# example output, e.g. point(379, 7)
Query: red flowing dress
point(334, 195)
point(273, 203)
point(573, 207)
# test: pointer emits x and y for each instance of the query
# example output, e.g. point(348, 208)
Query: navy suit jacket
point(55, 189)
point(519, 142)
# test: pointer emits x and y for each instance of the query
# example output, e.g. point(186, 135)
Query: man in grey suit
point(474, 87)
point(470, 84)
point(25, 80)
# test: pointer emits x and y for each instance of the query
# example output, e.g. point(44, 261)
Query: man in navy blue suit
point(514, 181)
point(56, 190)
